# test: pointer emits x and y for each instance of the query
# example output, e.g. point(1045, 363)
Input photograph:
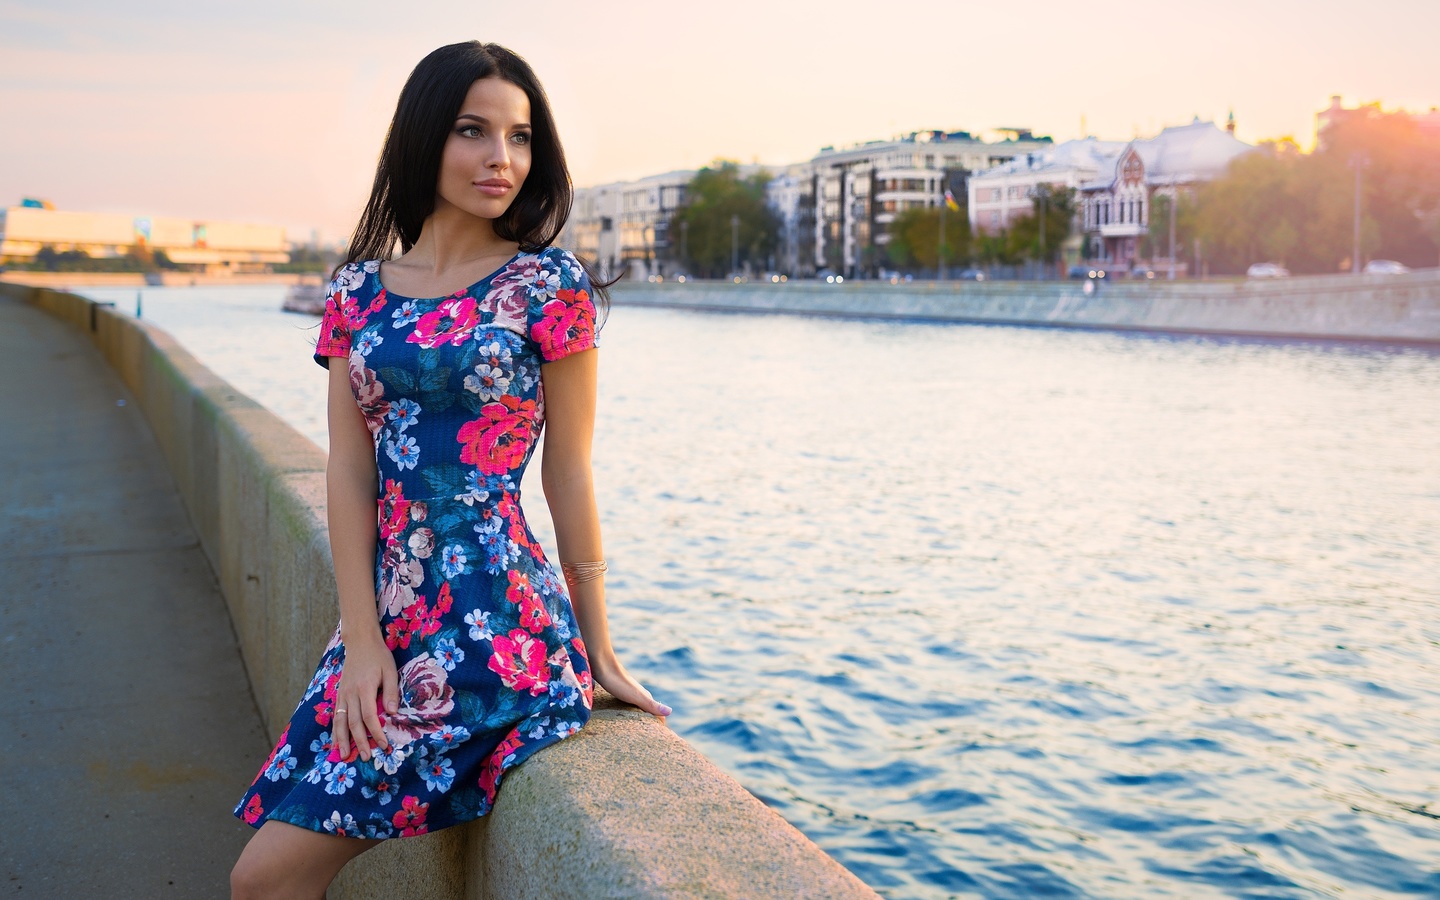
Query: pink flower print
point(422, 543)
point(497, 442)
point(253, 810)
point(443, 602)
point(449, 323)
point(425, 700)
point(510, 293)
point(369, 394)
point(410, 818)
point(519, 660)
point(400, 577)
point(394, 509)
point(566, 324)
point(519, 586)
point(494, 766)
point(533, 614)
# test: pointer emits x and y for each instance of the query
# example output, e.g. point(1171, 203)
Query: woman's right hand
point(368, 673)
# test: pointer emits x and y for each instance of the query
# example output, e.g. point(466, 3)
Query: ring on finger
point(342, 710)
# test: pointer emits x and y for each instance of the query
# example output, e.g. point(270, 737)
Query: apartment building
point(860, 190)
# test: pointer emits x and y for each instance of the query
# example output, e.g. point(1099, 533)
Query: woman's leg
point(287, 862)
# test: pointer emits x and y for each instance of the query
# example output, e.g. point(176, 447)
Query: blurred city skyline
point(274, 113)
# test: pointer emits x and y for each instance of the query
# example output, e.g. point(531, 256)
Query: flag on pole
point(950, 202)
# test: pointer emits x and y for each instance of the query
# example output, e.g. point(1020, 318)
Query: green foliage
point(1022, 240)
point(309, 259)
point(915, 238)
point(1156, 242)
point(715, 195)
point(1282, 205)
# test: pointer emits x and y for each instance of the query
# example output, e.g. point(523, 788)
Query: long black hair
point(403, 195)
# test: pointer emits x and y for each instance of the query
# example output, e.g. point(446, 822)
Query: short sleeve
point(334, 324)
point(562, 321)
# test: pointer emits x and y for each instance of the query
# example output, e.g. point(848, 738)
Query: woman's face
point(487, 155)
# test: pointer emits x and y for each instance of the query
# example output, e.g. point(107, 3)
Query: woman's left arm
point(569, 386)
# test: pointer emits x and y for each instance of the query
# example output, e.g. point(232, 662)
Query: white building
point(623, 227)
point(1115, 207)
point(860, 190)
point(791, 193)
point(1005, 192)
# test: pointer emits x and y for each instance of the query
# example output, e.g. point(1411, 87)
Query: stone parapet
point(624, 809)
point(1398, 308)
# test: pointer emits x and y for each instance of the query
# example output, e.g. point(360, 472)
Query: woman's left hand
point(623, 686)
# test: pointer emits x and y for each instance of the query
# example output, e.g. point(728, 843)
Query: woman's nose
point(499, 157)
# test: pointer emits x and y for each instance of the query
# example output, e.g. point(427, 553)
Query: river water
point(1005, 612)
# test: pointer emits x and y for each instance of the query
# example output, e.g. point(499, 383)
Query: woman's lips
point(493, 188)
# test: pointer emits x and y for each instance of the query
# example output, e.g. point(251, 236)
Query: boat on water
point(306, 297)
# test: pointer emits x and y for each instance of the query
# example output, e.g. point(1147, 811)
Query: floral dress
point(491, 663)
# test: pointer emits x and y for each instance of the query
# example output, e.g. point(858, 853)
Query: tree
point(915, 238)
point(1056, 208)
point(1283, 205)
point(715, 197)
point(1156, 242)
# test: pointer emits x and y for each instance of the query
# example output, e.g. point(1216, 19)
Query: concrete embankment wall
point(623, 809)
point(1367, 307)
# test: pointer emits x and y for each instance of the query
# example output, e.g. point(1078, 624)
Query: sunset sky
point(272, 111)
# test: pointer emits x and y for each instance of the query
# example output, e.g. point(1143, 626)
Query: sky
point(273, 111)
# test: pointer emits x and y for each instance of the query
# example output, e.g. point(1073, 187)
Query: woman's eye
point(469, 131)
point(523, 137)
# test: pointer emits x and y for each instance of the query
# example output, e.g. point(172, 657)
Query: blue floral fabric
point(492, 665)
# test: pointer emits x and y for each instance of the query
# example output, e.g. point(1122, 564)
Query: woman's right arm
point(351, 490)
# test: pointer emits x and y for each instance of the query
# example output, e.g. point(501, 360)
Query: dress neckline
point(460, 293)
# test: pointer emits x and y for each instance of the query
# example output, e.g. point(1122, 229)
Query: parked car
point(1142, 271)
point(1385, 267)
point(1267, 270)
point(1078, 272)
point(971, 275)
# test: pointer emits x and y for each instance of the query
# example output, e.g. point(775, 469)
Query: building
point(623, 227)
point(835, 209)
point(858, 191)
point(1115, 207)
point(218, 246)
point(791, 193)
point(1005, 192)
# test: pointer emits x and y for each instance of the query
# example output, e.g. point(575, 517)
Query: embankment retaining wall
point(623, 809)
point(1403, 308)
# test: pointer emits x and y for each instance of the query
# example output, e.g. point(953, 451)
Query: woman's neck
point(453, 239)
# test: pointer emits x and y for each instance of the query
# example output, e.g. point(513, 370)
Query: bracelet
point(579, 573)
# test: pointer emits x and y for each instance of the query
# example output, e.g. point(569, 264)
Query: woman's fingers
point(341, 721)
point(636, 694)
point(376, 730)
point(357, 722)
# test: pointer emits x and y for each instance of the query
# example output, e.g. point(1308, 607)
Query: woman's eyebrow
point(484, 121)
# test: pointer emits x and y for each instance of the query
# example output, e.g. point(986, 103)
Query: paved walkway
point(129, 724)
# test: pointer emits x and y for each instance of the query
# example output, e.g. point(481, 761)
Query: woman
point(458, 653)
